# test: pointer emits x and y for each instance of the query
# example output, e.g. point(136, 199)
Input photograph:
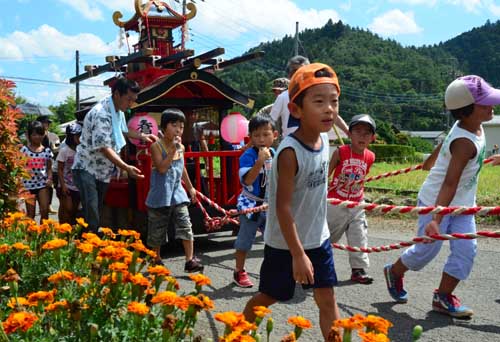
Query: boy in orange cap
point(297, 247)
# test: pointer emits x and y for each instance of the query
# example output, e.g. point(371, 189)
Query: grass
point(488, 193)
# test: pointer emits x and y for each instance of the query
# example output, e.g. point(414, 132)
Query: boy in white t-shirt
point(452, 181)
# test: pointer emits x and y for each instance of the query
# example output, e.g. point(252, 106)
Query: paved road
point(481, 291)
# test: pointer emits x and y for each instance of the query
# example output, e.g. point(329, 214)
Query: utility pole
point(184, 29)
point(296, 44)
point(77, 84)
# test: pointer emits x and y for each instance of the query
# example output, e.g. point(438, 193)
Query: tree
point(65, 111)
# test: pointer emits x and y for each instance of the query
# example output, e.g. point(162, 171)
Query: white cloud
point(472, 6)
point(346, 6)
point(395, 22)
point(493, 8)
point(47, 41)
point(86, 8)
point(231, 20)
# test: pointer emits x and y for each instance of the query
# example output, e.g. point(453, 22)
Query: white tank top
point(467, 186)
point(308, 199)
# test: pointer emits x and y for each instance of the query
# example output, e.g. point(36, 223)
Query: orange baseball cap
point(306, 77)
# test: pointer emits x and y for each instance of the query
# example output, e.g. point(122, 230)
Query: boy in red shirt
point(351, 164)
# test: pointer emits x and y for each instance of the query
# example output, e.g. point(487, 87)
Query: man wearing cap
point(451, 182)
point(97, 157)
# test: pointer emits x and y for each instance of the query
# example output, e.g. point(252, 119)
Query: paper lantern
point(234, 128)
point(142, 123)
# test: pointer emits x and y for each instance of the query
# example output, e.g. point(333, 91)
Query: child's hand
point(432, 228)
point(264, 154)
point(303, 272)
point(49, 182)
point(192, 194)
point(496, 159)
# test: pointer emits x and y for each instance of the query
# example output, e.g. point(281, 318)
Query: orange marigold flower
point(64, 228)
point(54, 244)
point(10, 275)
point(138, 308)
point(126, 232)
point(20, 246)
point(229, 318)
point(82, 222)
point(334, 335)
point(159, 270)
point(261, 311)
point(85, 247)
point(165, 298)
point(4, 248)
point(108, 232)
point(118, 267)
point(139, 279)
point(373, 337)
point(19, 320)
point(300, 322)
point(114, 253)
point(289, 338)
point(376, 323)
point(34, 228)
point(181, 303)
point(57, 305)
point(173, 281)
point(351, 323)
point(19, 301)
point(208, 304)
point(60, 276)
point(82, 281)
point(42, 296)
point(200, 279)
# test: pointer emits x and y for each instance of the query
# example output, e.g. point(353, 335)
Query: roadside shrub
point(12, 162)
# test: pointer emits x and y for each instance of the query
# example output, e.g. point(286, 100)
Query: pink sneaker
point(241, 279)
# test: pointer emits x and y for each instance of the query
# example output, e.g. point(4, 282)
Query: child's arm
point(340, 123)
point(287, 167)
point(162, 165)
point(334, 161)
point(189, 186)
point(496, 159)
point(462, 150)
point(431, 160)
point(253, 173)
point(60, 175)
point(49, 172)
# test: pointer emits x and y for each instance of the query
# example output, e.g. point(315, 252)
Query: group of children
point(299, 225)
point(40, 170)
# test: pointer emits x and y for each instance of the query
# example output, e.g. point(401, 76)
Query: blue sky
point(38, 39)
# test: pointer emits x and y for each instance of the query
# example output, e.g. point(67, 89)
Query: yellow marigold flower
point(60, 276)
point(138, 308)
point(118, 267)
point(372, 337)
point(82, 222)
point(19, 320)
point(376, 323)
point(351, 323)
point(57, 305)
point(20, 246)
point(165, 298)
point(42, 296)
point(16, 216)
point(126, 232)
point(261, 311)
point(139, 279)
point(108, 232)
point(21, 301)
point(64, 228)
point(85, 247)
point(4, 248)
point(159, 270)
point(54, 244)
point(300, 322)
point(200, 279)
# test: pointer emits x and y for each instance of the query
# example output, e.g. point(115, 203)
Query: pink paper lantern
point(234, 128)
point(143, 123)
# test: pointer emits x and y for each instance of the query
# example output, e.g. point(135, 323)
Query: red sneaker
point(241, 279)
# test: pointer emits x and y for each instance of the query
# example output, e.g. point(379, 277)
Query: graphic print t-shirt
point(37, 167)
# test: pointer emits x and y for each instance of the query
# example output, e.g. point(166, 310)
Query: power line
point(41, 81)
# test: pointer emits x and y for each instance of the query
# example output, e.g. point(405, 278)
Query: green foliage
point(65, 111)
point(400, 86)
point(392, 152)
point(421, 145)
point(12, 166)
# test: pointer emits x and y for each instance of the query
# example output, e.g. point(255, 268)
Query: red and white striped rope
point(418, 239)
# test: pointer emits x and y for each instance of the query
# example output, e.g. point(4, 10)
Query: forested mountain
point(400, 86)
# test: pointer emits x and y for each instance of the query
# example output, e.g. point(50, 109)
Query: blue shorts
point(247, 231)
point(276, 272)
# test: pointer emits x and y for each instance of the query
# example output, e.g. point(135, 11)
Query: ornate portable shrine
point(172, 76)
